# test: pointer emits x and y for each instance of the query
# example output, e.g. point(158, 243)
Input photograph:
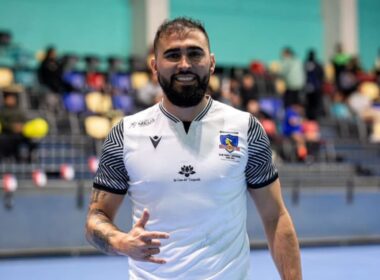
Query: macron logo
point(155, 140)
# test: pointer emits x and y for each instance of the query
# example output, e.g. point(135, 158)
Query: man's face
point(183, 65)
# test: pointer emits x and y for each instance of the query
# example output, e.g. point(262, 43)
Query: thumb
point(143, 220)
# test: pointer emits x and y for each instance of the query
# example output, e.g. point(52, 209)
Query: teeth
point(185, 78)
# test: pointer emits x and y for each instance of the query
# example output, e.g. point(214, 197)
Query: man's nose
point(184, 63)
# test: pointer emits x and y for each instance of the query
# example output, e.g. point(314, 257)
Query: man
point(293, 73)
point(186, 164)
point(12, 140)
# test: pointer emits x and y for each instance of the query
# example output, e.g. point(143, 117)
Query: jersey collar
point(197, 118)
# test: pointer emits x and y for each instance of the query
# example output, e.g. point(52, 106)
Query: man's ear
point(153, 65)
point(213, 63)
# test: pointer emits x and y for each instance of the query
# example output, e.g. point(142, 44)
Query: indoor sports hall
point(309, 71)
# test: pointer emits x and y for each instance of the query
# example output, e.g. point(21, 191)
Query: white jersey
point(194, 185)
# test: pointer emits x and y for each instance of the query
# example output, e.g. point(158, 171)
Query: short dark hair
point(178, 25)
point(288, 50)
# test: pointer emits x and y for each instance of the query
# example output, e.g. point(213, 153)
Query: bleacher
point(345, 155)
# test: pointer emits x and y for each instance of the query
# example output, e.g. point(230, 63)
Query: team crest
point(229, 143)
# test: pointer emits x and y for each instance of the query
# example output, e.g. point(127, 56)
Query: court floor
point(327, 263)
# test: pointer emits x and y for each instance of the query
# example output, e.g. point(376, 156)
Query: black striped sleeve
point(260, 170)
point(112, 175)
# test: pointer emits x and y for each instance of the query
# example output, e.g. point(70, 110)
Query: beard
point(184, 95)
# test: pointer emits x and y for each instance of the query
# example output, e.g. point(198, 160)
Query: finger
point(154, 235)
point(143, 220)
point(154, 260)
point(149, 245)
point(151, 251)
point(155, 243)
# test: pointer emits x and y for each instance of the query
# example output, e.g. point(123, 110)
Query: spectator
point(292, 129)
point(339, 61)
point(149, 94)
point(294, 77)
point(249, 94)
point(49, 73)
point(377, 67)
point(313, 88)
point(12, 142)
point(339, 108)
point(94, 79)
point(349, 76)
point(367, 110)
point(50, 76)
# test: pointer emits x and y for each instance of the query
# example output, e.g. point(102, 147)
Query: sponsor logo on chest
point(187, 172)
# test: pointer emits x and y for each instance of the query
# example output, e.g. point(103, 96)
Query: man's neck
point(185, 114)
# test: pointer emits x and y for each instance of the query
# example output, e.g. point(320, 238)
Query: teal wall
point(242, 30)
point(81, 26)
point(369, 31)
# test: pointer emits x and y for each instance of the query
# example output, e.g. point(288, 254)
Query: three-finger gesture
point(142, 245)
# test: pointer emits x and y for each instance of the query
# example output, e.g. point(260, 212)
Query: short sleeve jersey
point(194, 184)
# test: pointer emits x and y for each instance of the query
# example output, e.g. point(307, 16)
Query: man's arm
point(138, 244)
point(279, 229)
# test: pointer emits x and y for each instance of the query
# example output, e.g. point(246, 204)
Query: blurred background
point(308, 70)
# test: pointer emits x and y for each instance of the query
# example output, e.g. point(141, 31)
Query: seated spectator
point(312, 134)
point(49, 73)
point(215, 87)
point(249, 94)
point(149, 94)
point(349, 76)
point(269, 126)
point(118, 81)
point(366, 109)
point(12, 142)
point(230, 93)
point(292, 128)
point(339, 108)
point(94, 79)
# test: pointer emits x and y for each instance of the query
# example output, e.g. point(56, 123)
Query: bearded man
point(187, 165)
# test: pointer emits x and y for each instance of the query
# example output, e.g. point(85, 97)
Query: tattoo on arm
point(96, 194)
point(102, 231)
point(102, 242)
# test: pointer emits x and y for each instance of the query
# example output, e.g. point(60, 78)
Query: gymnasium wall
point(99, 27)
point(53, 221)
point(369, 31)
point(242, 30)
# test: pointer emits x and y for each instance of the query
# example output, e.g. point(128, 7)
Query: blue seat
point(74, 102)
point(121, 82)
point(272, 106)
point(75, 79)
point(124, 103)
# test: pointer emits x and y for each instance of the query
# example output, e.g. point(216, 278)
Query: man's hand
point(140, 244)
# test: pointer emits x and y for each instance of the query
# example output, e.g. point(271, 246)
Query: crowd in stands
point(289, 97)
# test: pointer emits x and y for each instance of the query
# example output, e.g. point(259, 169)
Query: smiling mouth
point(185, 78)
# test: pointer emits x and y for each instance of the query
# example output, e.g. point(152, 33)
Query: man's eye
point(173, 56)
point(195, 54)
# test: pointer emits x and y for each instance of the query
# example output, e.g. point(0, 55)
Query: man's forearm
point(100, 230)
point(284, 247)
